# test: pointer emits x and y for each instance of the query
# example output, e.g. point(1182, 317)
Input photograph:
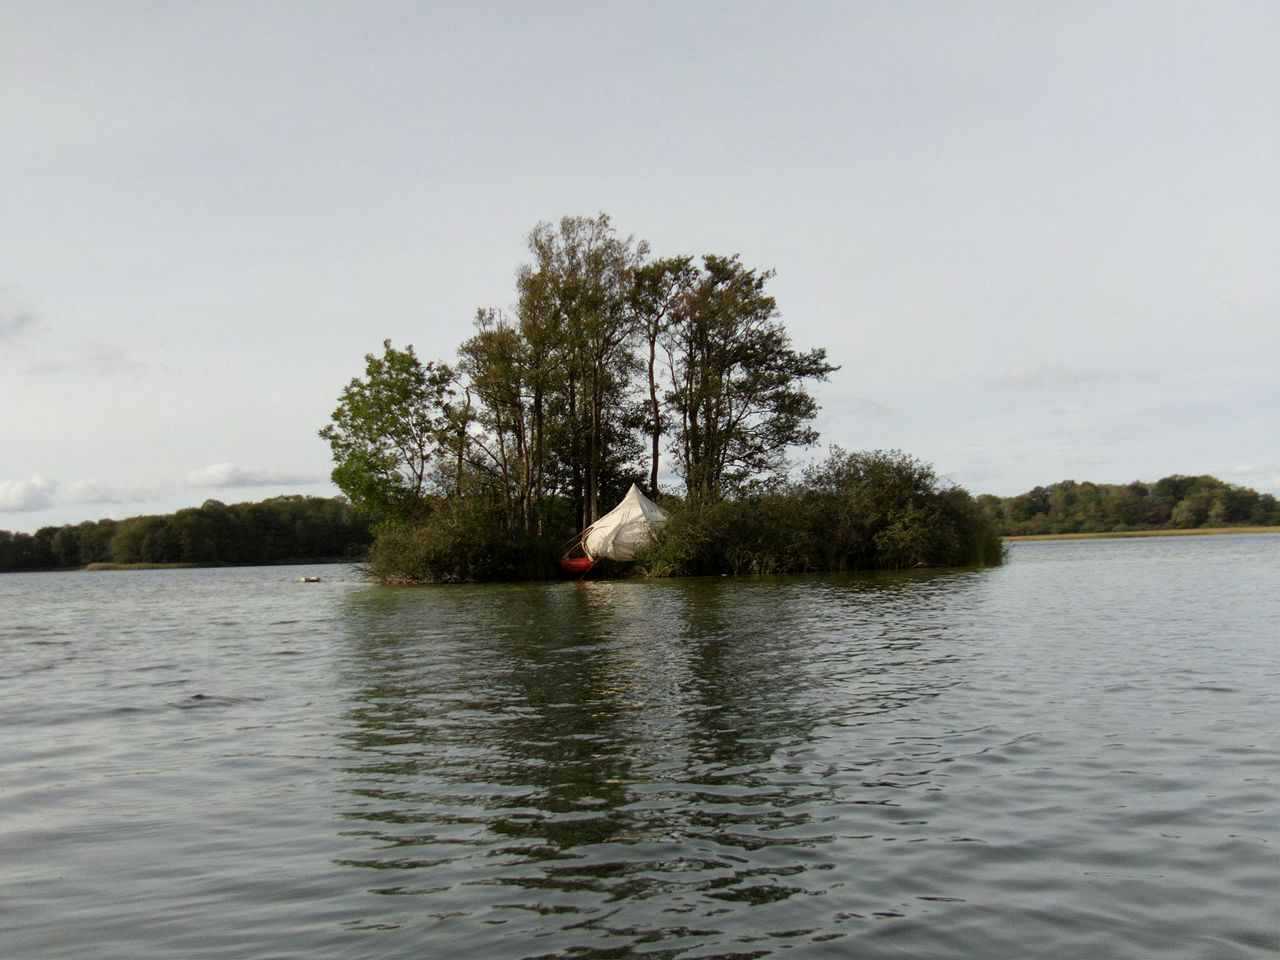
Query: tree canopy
point(389, 429)
point(737, 386)
point(607, 360)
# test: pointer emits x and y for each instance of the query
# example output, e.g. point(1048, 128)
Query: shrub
point(854, 511)
point(759, 534)
point(885, 509)
point(461, 540)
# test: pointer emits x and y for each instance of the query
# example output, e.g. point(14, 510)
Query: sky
point(1041, 240)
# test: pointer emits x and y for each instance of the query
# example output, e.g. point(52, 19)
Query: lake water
point(1073, 755)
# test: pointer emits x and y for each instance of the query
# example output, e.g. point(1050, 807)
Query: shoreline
point(1121, 534)
point(301, 562)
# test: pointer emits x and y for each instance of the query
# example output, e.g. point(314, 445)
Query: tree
point(656, 295)
point(736, 381)
point(495, 363)
point(388, 431)
point(580, 282)
point(66, 547)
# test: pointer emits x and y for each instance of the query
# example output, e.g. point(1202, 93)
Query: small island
point(615, 367)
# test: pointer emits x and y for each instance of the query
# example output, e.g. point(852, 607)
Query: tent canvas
point(622, 530)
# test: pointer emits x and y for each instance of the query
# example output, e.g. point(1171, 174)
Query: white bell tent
point(618, 534)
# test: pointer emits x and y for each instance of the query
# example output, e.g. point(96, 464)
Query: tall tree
point(657, 291)
point(581, 278)
point(547, 351)
point(494, 361)
point(737, 384)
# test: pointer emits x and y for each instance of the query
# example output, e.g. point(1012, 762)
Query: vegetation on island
point(271, 531)
point(852, 511)
point(1173, 503)
point(616, 367)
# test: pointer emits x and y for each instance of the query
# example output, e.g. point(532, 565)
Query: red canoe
point(577, 565)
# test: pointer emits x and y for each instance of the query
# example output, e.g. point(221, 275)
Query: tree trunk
point(538, 454)
point(578, 504)
point(656, 411)
point(593, 458)
point(462, 443)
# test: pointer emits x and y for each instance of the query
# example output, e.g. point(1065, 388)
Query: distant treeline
point(281, 528)
point(1173, 503)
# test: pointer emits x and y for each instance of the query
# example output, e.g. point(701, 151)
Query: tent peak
point(619, 532)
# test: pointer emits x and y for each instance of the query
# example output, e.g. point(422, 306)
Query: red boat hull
point(577, 565)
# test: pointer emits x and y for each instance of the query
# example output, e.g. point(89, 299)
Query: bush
point(759, 534)
point(885, 509)
point(461, 540)
point(854, 511)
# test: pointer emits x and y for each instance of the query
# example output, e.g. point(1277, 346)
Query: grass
point(1197, 532)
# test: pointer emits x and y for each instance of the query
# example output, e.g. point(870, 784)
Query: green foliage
point(460, 540)
point(736, 381)
point(771, 532)
point(562, 399)
point(854, 511)
point(1173, 503)
point(606, 354)
point(659, 291)
point(888, 509)
point(577, 318)
point(281, 528)
point(25, 551)
point(388, 429)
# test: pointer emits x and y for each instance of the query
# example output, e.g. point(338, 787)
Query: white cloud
point(21, 496)
point(106, 491)
point(38, 493)
point(230, 475)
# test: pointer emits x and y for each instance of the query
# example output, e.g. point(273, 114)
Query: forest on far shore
point(270, 531)
point(1175, 502)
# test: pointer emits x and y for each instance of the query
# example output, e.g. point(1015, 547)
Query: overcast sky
point(1041, 240)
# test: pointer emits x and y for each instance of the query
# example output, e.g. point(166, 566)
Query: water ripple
point(1073, 755)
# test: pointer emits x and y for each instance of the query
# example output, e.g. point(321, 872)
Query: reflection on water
point(1071, 755)
point(644, 763)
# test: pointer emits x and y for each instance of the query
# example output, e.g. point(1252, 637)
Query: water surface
point(1077, 754)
